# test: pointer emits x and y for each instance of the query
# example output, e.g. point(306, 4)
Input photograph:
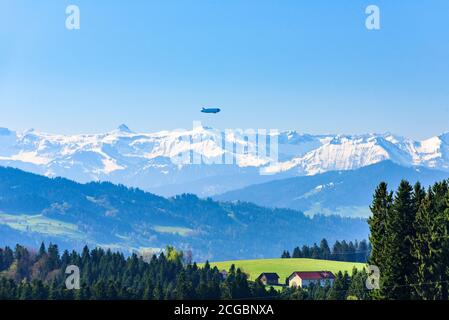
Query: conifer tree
point(427, 250)
point(357, 288)
point(398, 261)
point(42, 251)
point(381, 209)
point(297, 253)
point(325, 250)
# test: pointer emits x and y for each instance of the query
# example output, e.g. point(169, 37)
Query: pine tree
point(241, 286)
point(399, 263)
point(444, 218)
point(351, 254)
point(83, 294)
point(316, 252)
point(184, 290)
point(305, 252)
point(357, 288)
point(427, 250)
point(6, 258)
point(325, 250)
point(39, 291)
point(148, 292)
point(53, 257)
point(380, 208)
point(54, 292)
point(297, 253)
point(158, 292)
point(42, 251)
point(25, 291)
point(111, 291)
point(337, 252)
point(362, 251)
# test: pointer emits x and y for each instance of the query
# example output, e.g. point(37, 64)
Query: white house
point(304, 279)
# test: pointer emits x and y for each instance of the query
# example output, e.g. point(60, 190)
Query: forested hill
point(348, 193)
point(35, 208)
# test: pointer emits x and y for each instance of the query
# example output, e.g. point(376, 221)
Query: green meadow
point(285, 267)
point(41, 224)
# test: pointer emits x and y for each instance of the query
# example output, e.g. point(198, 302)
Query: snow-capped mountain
point(170, 162)
point(343, 152)
point(346, 193)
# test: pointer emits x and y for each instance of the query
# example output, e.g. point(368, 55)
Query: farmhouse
point(268, 278)
point(305, 279)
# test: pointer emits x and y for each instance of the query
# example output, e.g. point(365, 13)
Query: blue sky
point(290, 64)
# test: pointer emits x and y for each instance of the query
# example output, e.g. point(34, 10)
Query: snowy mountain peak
point(169, 158)
point(124, 128)
point(444, 137)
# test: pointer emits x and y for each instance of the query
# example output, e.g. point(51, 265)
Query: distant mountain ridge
point(151, 160)
point(346, 193)
point(35, 208)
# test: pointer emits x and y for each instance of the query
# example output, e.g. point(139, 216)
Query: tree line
point(410, 241)
point(106, 275)
point(341, 251)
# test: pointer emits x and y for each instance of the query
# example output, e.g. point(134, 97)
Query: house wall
point(295, 282)
point(265, 281)
point(307, 283)
point(298, 282)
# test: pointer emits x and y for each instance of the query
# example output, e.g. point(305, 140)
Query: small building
point(269, 278)
point(306, 278)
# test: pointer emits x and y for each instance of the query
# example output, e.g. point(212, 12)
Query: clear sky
point(286, 64)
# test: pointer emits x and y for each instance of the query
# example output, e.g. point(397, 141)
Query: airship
point(210, 110)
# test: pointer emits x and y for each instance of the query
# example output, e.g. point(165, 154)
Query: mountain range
point(345, 193)
point(152, 162)
point(35, 208)
point(135, 191)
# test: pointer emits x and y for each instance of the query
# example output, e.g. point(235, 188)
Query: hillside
point(347, 193)
point(285, 267)
point(35, 208)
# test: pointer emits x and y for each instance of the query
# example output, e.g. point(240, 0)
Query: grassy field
point(183, 232)
point(41, 224)
point(285, 267)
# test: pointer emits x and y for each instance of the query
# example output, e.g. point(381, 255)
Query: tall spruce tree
point(398, 261)
point(427, 250)
point(441, 191)
point(380, 208)
point(297, 253)
point(325, 250)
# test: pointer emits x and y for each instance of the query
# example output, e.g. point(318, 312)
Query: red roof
point(314, 275)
